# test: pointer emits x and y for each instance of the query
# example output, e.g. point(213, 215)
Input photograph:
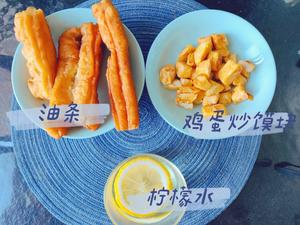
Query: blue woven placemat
point(68, 176)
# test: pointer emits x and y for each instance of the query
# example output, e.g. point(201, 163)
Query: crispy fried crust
point(68, 57)
point(117, 99)
point(97, 64)
point(32, 30)
point(87, 77)
point(114, 36)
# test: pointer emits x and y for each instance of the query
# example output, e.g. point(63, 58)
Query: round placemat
point(68, 176)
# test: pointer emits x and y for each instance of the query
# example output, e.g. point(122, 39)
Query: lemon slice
point(138, 177)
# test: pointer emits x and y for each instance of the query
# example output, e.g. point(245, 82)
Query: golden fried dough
point(114, 36)
point(68, 57)
point(115, 88)
point(32, 30)
point(87, 76)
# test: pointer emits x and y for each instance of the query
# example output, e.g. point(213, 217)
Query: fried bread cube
point(183, 70)
point(204, 68)
point(244, 73)
point(184, 89)
point(190, 61)
point(216, 60)
point(205, 40)
point(239, 94)
point(247, 68)
point(186, 82)
point(175, 85)
point(229, 72)
point(167, 74)
point(239, 81)
point(199, 98)
point(201, 82)
point(220, 41)
point(185, 52)
point(225, 98)
point(247, 65)
point(185, 105)
point(214, 89)
point(186, 95)
point(231, 56)
point(202, 51)
point(211, 100)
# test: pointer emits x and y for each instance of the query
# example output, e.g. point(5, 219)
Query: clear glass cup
point(121, 217)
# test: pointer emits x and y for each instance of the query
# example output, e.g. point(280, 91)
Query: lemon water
point(129, 184)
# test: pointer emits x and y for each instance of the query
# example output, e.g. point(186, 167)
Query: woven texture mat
point(68, 176)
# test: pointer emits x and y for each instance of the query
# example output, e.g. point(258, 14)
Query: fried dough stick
point(87, 77)
point(32, 30)
point(116, 97)
point(114, 36)
point(68, 57)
